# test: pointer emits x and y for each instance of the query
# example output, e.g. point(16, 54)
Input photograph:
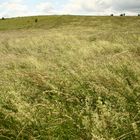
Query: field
point(70, 78)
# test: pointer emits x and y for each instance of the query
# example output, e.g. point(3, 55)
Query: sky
point(14, 8)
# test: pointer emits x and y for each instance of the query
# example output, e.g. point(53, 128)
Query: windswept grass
point(74, 78)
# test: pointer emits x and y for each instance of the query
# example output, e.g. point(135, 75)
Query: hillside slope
point(48, 22)
point(70, 78)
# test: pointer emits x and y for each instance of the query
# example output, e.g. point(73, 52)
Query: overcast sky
point(12, 8)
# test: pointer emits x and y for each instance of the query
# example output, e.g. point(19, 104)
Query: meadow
point(70, 78)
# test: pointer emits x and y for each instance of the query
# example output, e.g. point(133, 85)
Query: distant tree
point(138, 14)
point(122, 15)
point(36, 20)
point(3, 18)
point(112, 15)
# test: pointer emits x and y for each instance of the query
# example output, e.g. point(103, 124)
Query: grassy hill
point(49, 22)
point(70, 78)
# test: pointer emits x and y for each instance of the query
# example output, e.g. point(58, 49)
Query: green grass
point(70, 78)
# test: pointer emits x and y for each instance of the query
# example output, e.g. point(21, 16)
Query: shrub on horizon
point(122, 15)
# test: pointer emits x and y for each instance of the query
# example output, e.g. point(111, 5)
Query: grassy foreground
point(70, 78)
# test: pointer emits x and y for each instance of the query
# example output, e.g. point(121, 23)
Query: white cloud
point(13, 8)
point(101, 6)
point(89, 6)
point(45, 7)
point(128, 5)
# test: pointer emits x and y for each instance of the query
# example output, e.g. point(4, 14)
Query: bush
point(36, 20)
point(122, 15)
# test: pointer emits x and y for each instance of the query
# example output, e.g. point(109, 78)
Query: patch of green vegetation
point(70, 78)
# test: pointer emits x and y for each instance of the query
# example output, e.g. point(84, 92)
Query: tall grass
point(71, 82)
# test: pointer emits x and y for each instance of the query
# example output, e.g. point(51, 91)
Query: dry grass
point(78, 80)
